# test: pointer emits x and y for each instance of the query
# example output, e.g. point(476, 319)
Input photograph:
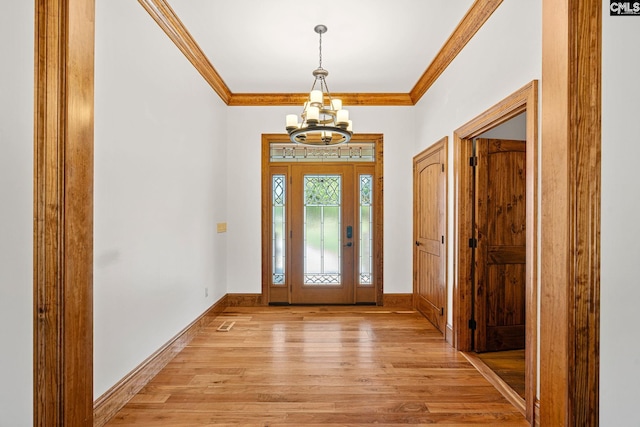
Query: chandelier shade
point(323, 120)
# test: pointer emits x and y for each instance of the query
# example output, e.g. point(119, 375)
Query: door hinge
point(472, 324)
point(291, 234)
point(473, 161)
point(441, 311)
point(442, 167)
point(473, 242)
point(443, 240)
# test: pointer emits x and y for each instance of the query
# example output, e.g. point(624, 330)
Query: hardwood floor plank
point(306, 366)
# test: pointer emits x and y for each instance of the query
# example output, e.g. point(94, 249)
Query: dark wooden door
point(429, 231)
point(500, 214)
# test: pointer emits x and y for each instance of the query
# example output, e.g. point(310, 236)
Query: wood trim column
point(63, 213)
point(570, 254)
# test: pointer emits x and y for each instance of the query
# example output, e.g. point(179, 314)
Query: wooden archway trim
point(63, 213)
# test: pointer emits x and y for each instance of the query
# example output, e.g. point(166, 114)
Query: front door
point(500, 214)
point(324, 231)
point(322, 221)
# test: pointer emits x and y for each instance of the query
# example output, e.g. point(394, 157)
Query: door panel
point(323, 235)
point(429, 231)
point(500, 256)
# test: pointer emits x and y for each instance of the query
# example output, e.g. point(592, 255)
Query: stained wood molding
point(63, 213)
point(351, 99)
point(166, 18)
point(107, 405)
point(246, 300)
point(475, 18)
point(163, 14)
point(571, 130)
point(398, 301)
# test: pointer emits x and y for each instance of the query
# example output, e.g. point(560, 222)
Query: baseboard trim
point(398, 300)
point(245, 300)
point(107, 405)
point(536, 413)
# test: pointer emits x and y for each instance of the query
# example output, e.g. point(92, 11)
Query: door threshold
point(505, 389)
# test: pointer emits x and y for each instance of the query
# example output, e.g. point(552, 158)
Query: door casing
point(525, 99)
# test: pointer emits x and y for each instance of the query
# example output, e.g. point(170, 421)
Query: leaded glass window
point(322, 226)
point(366, 230)
point(350, 152)
point(278, 228)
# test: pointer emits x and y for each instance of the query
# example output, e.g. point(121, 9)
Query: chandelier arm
point(328, 94)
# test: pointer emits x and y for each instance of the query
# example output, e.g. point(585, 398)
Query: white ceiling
point(261, 46)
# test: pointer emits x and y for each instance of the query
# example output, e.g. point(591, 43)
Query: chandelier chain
point(320, 50)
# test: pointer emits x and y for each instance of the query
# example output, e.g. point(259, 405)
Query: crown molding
point(166, 18)
point(271, 99)
point(475, 18)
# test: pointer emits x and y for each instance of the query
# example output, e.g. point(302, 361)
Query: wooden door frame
point(442, 144)
point(378, 213)
point(570, 218)
point(523, 100)
point(63, 213)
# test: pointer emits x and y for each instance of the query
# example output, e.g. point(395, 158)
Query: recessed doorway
point(495, 274)
point(322, 222)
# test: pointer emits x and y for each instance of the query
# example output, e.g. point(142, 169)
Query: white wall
point(160, 189)
point(16, 211)
point(247, 124)
point(514, 128)
point(503, 56)
point(620, 285)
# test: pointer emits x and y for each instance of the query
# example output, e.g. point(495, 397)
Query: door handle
point(417, 243)
point(349, 244)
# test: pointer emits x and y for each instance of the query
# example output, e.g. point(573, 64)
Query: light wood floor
point(318, 366)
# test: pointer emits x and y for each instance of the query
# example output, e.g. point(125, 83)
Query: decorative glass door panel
point(366, 230)
point(322, 226)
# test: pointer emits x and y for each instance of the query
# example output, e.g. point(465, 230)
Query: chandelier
point(322, 124)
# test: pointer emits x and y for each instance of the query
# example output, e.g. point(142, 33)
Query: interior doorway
point(322, 222)
point(474, 329)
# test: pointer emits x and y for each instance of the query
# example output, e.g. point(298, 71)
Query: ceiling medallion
point(322, 124)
